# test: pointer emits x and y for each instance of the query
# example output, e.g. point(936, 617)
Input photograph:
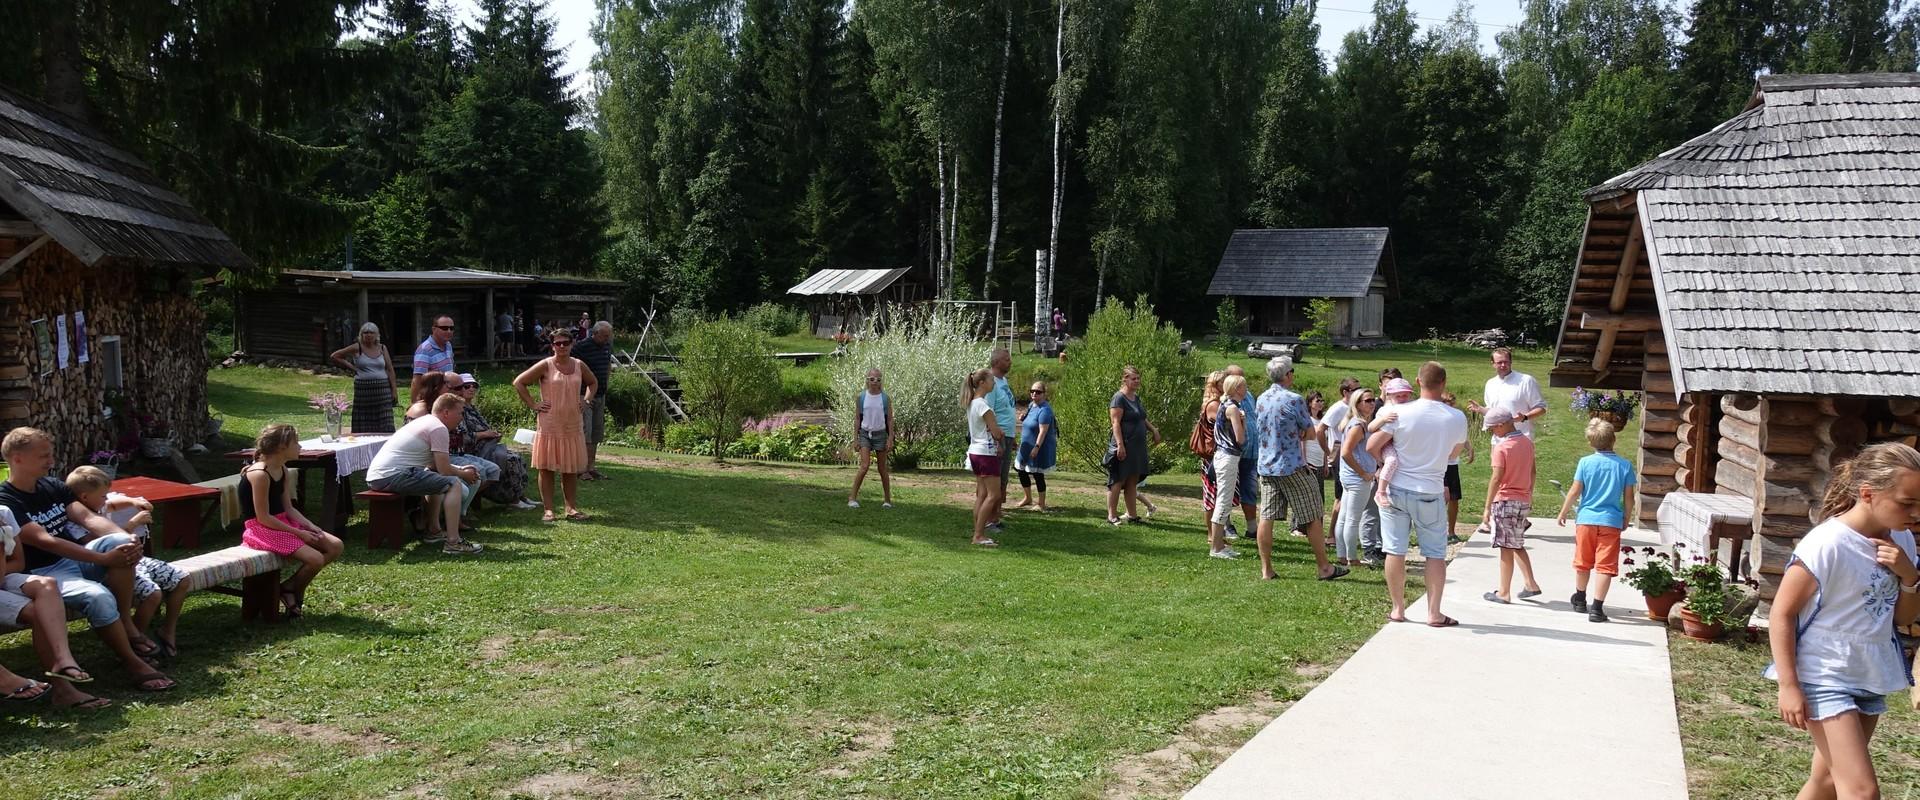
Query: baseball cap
point(466, 379)
point(1497, 416)
point(1397, 386)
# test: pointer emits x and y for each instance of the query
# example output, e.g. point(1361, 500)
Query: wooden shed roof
point(1301, 262)
point(93, 198)
point(1784, 244)
point(420, 279)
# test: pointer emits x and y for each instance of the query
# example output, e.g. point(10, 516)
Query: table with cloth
point(1702, 521)
point(335, 462)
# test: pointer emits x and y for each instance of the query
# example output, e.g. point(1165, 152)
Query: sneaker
point(853, 504)
point(1226, 553)
point(1579, 602)
point(886, 505)
point(523, 504)
point(462, 548)
point(1599, 612)
point(996, 527)
point(438, 538)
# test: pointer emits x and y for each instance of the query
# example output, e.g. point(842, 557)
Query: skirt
point(512, 486)
point(558, 445)
point(261, 537)
point(372, 407)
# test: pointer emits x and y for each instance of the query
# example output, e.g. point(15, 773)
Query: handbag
point(1200, 441)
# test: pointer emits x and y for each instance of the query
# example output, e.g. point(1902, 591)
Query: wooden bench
point(257, 571)
point(387, 522)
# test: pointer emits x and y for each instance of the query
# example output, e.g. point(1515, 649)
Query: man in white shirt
point(1425, 433)
point(415, 463)
point(1517, 392)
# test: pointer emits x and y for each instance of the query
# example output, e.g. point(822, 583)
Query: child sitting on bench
point(153, 579)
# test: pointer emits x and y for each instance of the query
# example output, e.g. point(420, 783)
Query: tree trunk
point(1100, 283)
point(953, 223)
point(999, 117)
point(1043, 311)
point(940, 186)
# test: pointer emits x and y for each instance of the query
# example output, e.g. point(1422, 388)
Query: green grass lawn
point(715, 631)
point(1738, 748)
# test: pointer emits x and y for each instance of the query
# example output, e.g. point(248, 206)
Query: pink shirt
point(1514, 454)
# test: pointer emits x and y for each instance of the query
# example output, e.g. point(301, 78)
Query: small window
point(107, 353)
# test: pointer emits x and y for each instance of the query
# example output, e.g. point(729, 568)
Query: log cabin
point(1272, 273)
point(1759, 282)
point(97, 259)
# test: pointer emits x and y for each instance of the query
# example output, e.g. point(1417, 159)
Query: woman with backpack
point(873, 437)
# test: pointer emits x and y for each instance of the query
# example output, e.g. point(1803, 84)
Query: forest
point(724, 149)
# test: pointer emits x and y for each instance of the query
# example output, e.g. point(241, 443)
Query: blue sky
point(1337, 17)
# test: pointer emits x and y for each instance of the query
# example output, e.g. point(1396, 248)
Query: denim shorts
point(871, 440)
point(1411, 514)
point(1826, 702)
point(80, 587)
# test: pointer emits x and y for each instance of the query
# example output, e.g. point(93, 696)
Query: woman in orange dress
point(559, 439)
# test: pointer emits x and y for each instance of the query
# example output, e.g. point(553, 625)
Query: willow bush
point(1118, 335)
point(923, 355)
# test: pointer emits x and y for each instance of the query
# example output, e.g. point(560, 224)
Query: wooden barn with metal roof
point(1760, 283)
point(97, 262)
point(1271, 274)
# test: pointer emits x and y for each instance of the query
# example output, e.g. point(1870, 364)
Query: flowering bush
point(330, 402)
point(922, 356)
point(1712, 595)
point(1594, 403)
point(1655, 575)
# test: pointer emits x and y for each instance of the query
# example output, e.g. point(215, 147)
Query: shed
point(97, 262)
point(1271, 274)
point(839, 300)
point(1759, 282)
point(307, 314)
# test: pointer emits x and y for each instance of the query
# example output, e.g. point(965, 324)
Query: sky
point(574, 25)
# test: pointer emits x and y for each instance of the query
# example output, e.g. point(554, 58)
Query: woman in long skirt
point(374, 391)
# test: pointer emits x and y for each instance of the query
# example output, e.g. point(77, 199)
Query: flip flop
point(576, 516)
point(987, 543)
point(1336, 574)
point(28, 692)
point(1494, 597)
point(144, 682)
point(144, 647)
point(169, 650)
point(90, 704)
point(1445, 622)
point(1392, 618)
point(70, 674)
point(1524, 594)
point(549, 518)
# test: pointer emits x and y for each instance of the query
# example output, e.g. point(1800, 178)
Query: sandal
point(90, 704)
point(577, 516)
point(70, 674)
point(290, 603)
point(154, 682)
point(1336, 574)
point(1445, 622)
point(28, 692)
point(1116, 521)
point(144, 647)
point(169, 650)
point(987, 543)
point(548, 518)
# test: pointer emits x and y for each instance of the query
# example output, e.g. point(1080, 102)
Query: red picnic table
point(176, 506)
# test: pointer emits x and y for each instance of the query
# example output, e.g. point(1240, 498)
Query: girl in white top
point(983, 451)
point(1851, 581)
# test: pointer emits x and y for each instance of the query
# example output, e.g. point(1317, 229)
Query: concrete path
point(1527, 701)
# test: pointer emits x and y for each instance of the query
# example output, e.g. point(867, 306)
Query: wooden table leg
point(181, 520)
point(331, 506)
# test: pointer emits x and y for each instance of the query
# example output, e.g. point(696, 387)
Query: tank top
point(369, 368)
point(276, 493)
point(1223, 434)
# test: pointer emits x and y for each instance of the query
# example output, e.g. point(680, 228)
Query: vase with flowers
point(108, 461)
point(334, 405)
point(1617, 408)
point(1654, 575)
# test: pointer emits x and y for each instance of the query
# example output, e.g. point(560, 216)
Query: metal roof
point(848, 281)
point(94, 199)
point(1785, 243)
point(427, 277)
point(1300, 262)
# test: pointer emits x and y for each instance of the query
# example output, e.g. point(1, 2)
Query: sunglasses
point(563, 343)
point(1037, 391)
point(443, 327)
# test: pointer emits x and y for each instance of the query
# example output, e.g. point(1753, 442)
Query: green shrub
point(1228, 328)
point(686, 437)
point(774, 319)
point(923, 356)
point(803, 389)
point(1119, 335)
point(946, 448)
point(502, 407)
point(1318, 337)
point(630, 401)
point(723, 377)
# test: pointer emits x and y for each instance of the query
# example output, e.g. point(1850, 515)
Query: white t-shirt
point(1464, 433)
point(873, 412)
point(9, 531)
point(125, 514)
point(1846, 632)
point(980, 441)
point(1334, 421)
point(1519, 393)
point(411, 446)
point(1424, 434)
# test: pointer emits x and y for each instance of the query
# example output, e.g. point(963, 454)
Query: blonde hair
point(274, 438)
point(1876, 468)
point(448, 402)
point(1600, 434)
point(1213, 390)
point(89, 478)
point(21, 438)
point(971, 383)
point(1231, 383)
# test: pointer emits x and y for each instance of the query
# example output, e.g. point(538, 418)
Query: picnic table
point(176, 506)
point(335, 462)
point(1702, 521)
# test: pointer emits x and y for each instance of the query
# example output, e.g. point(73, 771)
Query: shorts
point(984, 466)
point(504, 336)
point(1596, 548)
point(12, 602)
point(1410, 514)
point(415, 482)
point(1453, 481)
point(152, 575)
point(1825, 701)
point(80, 587)
point(1295, 496)
point(1006, 464)
point(1249, 488)
point(1510, 523)
point(593, 419)
point(871, 440)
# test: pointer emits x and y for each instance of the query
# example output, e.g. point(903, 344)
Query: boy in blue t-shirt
point(1602, 487)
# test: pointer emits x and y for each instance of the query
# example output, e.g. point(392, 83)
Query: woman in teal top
point(1039, 439)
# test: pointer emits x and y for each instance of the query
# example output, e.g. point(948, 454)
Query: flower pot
point(112, 470)
point(333, 424)
point(1614, 418)
point(1659, 606)
point(1697, 630)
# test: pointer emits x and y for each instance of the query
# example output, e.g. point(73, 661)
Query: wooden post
point(1622, 284)
point(488, 345)
point(360, 302)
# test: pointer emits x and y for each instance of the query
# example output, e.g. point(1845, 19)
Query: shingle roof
point(1785, 243)
point(848, 281)
point(95, 199)
point(1300, 262)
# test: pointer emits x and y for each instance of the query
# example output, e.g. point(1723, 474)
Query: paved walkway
point(1527, 701)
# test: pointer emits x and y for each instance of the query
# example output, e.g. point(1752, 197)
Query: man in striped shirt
point(435, 354)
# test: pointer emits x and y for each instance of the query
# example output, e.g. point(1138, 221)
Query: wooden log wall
point(1784, 448)
point(1661, 456)
point(301, 327)
point(162, 339)
point(1613, 278)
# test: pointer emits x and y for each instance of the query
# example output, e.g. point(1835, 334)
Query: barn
point(1271, 274)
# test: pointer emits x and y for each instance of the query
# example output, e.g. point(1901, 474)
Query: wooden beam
point(1619, 322)
point(20, 229)
point(21, 254)
point(1623, 281)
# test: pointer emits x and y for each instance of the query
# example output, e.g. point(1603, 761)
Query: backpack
point(1200, 441)
point(860, 408)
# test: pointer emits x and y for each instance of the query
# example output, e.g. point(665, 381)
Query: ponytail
point(1877, 468)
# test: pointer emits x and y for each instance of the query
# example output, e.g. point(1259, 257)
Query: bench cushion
point(225, 566)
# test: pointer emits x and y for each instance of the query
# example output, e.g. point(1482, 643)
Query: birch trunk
point(999, 116)
point(953, 223)
point(1044, 268)
point(940, 186)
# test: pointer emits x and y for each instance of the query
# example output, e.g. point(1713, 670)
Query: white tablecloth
point(1689, 516)
point(351, 453)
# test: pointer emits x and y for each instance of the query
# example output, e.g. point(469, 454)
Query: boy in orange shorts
point(1602, 486)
